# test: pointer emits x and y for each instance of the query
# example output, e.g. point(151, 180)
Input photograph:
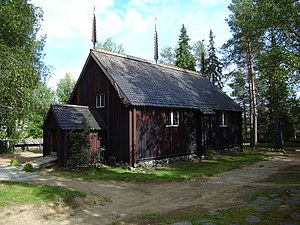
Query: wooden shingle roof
point(144, 83)
point(75, 117)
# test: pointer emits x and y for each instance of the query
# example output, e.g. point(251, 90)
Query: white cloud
point(210, 3)
point(69, 18)
point(68, 25)
point(59, 74)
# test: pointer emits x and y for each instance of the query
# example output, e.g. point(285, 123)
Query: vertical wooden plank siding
point(134, 138)
point(115, 114)
point(46, 145)
point(155, 140)
point(65, 147)
point(226, 137)
point(130, 137)
point(60, 151)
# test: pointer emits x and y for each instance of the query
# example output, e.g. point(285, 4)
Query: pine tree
point(274, 62)
point(240, 95)
point(266, 42)
point(200, 55)
point(246, 31)
point(213, 66)
point(184, 57)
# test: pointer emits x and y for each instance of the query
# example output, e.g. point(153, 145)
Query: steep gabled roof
point(144, 83)
point(75, 117)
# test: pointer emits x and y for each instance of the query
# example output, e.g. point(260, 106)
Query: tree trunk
point(245, 120)
point(278, 140)
point(275, 101)
point(253, 106)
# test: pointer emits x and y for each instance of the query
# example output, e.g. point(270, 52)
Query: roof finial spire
point(155, 43)
point(94, 33)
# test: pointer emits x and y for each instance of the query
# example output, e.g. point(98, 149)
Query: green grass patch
point(15, 193)
point(174, 172)
point(238, 215)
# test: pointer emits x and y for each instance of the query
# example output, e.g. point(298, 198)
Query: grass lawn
point(173, 172)
point(15, 192)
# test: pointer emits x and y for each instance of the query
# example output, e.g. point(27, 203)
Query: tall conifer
point(184, 57)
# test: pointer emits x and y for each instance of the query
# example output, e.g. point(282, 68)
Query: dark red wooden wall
point(93, 81)
point(155, 140)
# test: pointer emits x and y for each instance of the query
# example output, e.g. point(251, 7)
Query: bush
point(14, 162)
point(28, 167)
point(211, 154)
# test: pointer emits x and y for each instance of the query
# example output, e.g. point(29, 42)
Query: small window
point(172, 119)
point(100, 101)
point(223, 119)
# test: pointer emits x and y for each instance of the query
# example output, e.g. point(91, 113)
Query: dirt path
point(110, 201)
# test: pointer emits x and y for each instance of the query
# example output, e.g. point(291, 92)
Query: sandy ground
point(108, 201)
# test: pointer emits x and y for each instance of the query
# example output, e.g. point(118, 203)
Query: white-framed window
point(223, 119)
point(100, 100)
point(172, 119)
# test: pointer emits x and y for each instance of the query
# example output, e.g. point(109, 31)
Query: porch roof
point(76, 117)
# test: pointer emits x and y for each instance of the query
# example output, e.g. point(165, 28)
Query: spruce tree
point(184, 57)
point(213, 66)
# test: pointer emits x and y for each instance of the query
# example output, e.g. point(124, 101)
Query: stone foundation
point(159, 162)
point(193, 158)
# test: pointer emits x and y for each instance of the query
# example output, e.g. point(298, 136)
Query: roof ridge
point(147, 61)
point(70, 105)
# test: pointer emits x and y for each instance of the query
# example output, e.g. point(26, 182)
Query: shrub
point(28, 167)
point(211, 154)
point(14, 162)
point(81, 154)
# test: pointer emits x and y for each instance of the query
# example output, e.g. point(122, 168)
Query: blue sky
point(68, 26)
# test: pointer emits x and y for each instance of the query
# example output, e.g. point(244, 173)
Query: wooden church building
point(143, 111)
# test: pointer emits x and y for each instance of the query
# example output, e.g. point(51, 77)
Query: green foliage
point(78, 157)
point(240, 95)
point(16, 193)
point(276, 72)
point(21, 66)
point(81, 154)
point(167, 56)
point(65, 87)
point(211, 154)
point(14, 162)
point(213, 66)
point(42, 98)
point(111, 46)
point(265, 37)
point(200, 55)
point(28, 167)
point(184, 57)
point(175, 172)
